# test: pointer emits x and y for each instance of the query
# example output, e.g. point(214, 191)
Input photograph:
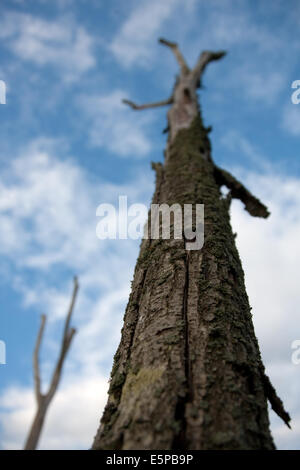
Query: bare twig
point(43, 400)
point(176, 51)
point(71, 308)
point(148, 105)
point(205, 58)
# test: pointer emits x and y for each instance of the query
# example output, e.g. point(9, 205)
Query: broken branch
point(148, 105)
point(275, 401)
point(238, 191)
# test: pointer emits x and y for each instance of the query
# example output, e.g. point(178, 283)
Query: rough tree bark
point(188, 372)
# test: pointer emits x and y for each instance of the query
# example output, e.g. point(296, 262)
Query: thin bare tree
point(43, 399)
point(188, 373)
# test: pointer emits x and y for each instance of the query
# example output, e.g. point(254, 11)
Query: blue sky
point(68, 144)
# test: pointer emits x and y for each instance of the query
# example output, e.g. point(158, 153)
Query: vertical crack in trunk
point(179, 441)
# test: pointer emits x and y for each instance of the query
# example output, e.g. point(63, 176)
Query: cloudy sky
point(67, 144)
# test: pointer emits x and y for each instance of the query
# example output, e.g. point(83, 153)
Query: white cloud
point(133, 43)
point(72, 418)
point(264, 87)
point(36, 193)
point(61, 43)
point(50, 205)
point(114, 126)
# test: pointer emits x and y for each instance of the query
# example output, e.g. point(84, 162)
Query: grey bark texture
point(188, 372)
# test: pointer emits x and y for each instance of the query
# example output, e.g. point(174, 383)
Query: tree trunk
point(188, 372)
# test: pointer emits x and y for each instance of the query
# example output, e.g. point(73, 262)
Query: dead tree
point(43, 399)
point(188, 372)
